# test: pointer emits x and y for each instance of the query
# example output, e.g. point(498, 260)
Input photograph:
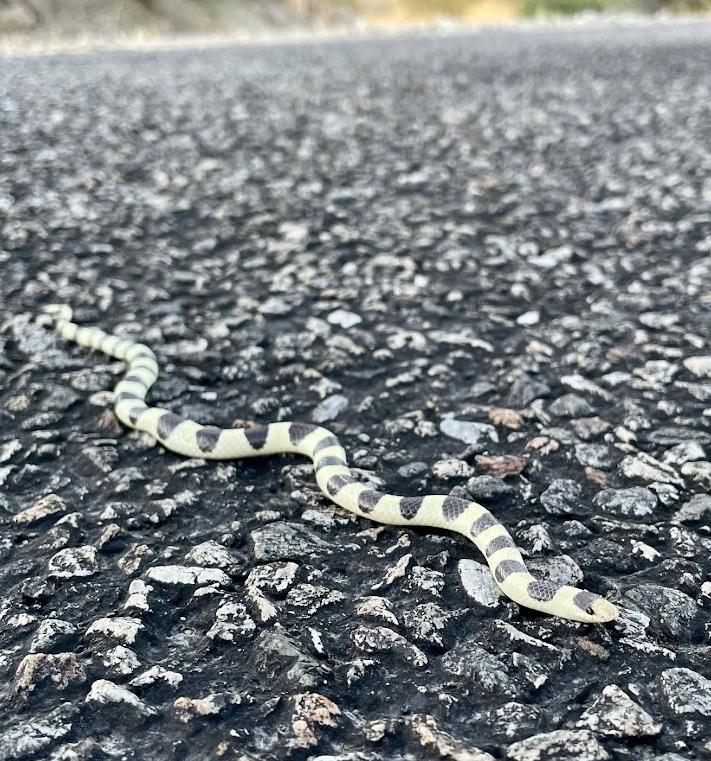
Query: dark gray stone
point(563, 497)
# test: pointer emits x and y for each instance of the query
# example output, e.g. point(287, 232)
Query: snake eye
point(590, 610)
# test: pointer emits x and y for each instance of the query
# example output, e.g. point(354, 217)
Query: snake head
point(591, 608)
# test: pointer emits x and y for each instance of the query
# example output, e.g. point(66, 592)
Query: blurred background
point(85, 20)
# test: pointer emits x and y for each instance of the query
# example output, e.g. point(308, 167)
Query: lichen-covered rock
point(37, 734)
point(470, 661)
point(106, 693)
point(478, 582)
point(694, 509)
point(381, 639)
point(672, 611)
point(560, 745)
point(45, 507)
point(61, 669)
point(286, 541)
point(634, 502)
point(311, 710)
point(157, 674)
point(74, 562)
point(615, 714)
point(122, 628)
point(51, 634)
point(441, 744)
point(181, 575)
point(210, 554)
point(686, 692)
point(277, 655)
point(563, 497)
point(488, 488)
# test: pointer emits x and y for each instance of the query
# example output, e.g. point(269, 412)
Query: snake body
point(334, 478)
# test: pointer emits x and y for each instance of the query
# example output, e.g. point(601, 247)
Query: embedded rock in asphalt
point(615, 714)
point(686, 691)
point(562, 496)
point(560, 745)
point(635, 502)
point(471, 265)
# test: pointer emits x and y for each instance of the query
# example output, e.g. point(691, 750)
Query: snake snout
point(602, 610)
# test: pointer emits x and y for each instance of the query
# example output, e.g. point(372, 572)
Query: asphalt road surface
point(485, 262)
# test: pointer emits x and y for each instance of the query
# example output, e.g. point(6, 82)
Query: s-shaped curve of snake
point(186, 437)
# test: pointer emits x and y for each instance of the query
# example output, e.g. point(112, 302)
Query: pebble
point(277, 656)
point(527, 319)
point(647, 468)
point(672, 611)
point(52, 634)
point(562, 497)
point(74, 562)
point(344, 319)
point(614, 714)
point(686, 451)
point(177, 575)
point(595, 456)
point(699, 472)
point(123, 628)
point(35, 734)
point(488, 488)
point(633, 502)
point(524, 390)
point(210, 554)
point(590, 427)
point(478, 583)
point(559, 745)
point(469, 432)
point(45, 507)
point(157, 674)
point(503, 466)
point(286, 541)
point(571, 405)
point(61, 669)
point(9, 449)
point(469, 661)
point(694, 509)
point(311, 710)
point(187, 709)
point(121, 661)
point(425, 622)
point(452, 468)
point(382, 639)
point(330, 408)
point(441, 744)
point(699, 366)
point(686, 691)
point(413, 469)
point(106, 693)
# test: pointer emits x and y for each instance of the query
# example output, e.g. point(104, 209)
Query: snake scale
point(191, 439)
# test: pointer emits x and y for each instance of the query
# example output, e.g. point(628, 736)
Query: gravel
point(478, 257)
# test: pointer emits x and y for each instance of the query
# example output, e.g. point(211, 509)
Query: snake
point(333, 476)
